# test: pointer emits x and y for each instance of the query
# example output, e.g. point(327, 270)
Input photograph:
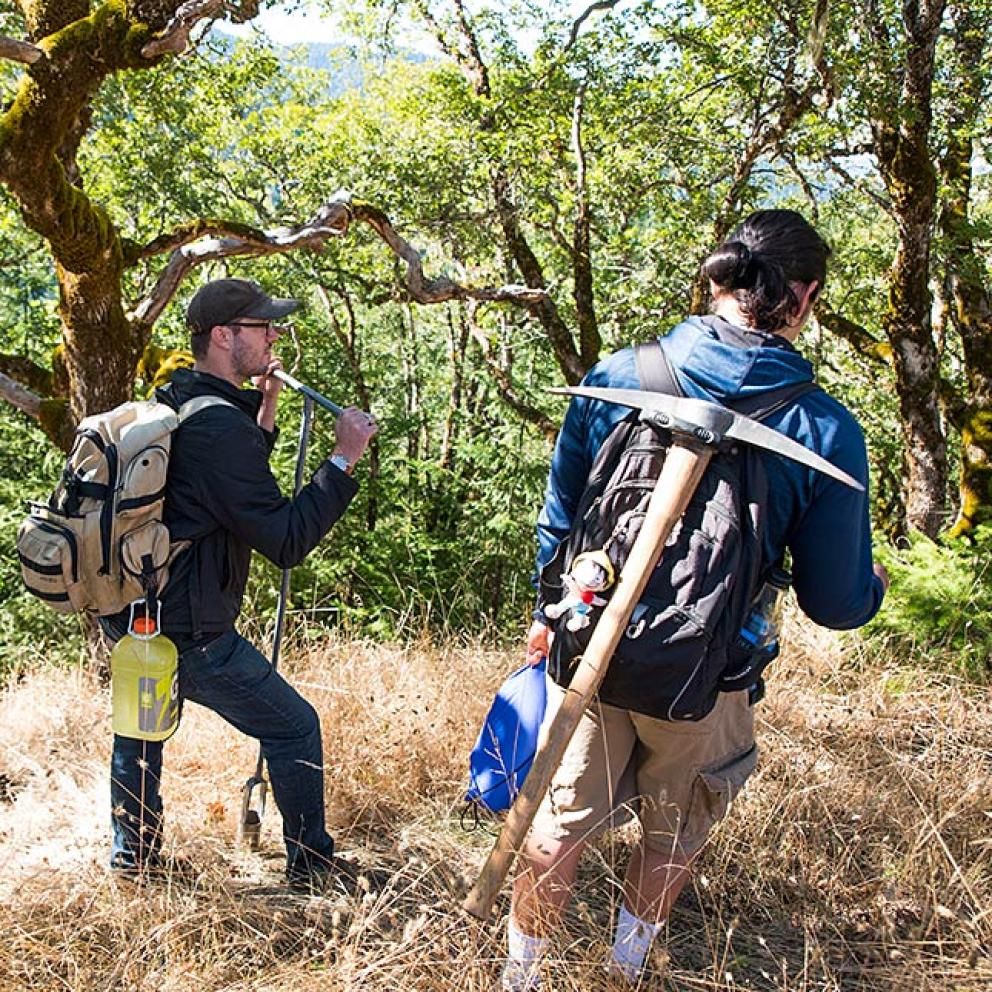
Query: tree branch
point(814, 207)
point(583, 292)
point(441, 289)
point(573, 35)
point(527, 262)
point(175, 38)
point(19, 51)
point(444, 42)
point(474, 63)
point(20, 396)
point(860, 184)
point(858, 337)
point(504, 386)
point(184, 235)
point(232, 240)
point(190, 248)
point(349, 343)
point(28, 374)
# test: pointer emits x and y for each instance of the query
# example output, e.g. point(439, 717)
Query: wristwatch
point(339, 461)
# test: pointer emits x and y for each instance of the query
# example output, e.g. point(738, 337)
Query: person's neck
point(220, 371)
point(730, 310)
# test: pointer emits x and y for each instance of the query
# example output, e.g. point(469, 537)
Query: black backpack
point(680, 639)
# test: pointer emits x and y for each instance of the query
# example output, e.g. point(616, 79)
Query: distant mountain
point(337, 60)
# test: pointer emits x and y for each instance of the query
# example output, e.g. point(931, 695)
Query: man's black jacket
point(221, 495)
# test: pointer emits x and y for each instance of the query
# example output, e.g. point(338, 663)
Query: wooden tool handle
point(680, 474)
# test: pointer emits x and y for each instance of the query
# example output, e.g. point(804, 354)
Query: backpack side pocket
point(49, 554)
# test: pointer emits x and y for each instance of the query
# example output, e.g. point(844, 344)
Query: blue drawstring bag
point(503, 754)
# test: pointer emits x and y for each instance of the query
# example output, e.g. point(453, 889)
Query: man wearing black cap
point(221, 497)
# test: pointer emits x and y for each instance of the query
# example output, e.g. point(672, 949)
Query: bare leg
point(654, 880)
point(651, 886)
point(543, 886)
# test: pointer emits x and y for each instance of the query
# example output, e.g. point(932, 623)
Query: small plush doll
point(591, 572)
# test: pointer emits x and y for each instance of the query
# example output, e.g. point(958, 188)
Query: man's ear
point(221, 337)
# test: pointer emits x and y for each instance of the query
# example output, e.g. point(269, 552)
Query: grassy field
point(858, 858)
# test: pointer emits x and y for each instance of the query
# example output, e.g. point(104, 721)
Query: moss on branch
point(56, 422)
point(157, 364)
point(35, 377)
point(45, 17)
point(108, 34)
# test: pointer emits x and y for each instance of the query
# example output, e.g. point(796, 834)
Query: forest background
point(531, 187)
point(476, 201)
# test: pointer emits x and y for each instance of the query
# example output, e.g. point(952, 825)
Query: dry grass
point(857, 859)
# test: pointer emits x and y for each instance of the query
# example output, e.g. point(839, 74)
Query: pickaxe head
point(710, 424)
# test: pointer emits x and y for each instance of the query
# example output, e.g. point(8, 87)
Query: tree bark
point(457, 347)
point(500, 374)
point(590, 341)
point(19, 51)
point(858, 337)
point(965, 290)
point(901, 139)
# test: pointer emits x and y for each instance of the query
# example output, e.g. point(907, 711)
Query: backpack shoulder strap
point(192, 407)
point(654, 371)
point(764, 405)
point(656, 374)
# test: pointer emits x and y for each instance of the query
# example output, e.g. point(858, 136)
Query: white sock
point(523, 961)
point(632, 942)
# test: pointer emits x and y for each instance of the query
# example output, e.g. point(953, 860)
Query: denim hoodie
point(822, 522)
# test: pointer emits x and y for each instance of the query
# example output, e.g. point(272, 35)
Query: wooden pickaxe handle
point(683, 468)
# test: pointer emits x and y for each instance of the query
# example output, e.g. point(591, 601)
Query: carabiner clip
point(638, 621)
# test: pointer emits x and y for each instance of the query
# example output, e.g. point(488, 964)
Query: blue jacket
point(822, 522)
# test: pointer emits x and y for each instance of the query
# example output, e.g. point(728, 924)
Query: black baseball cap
point(225, 301)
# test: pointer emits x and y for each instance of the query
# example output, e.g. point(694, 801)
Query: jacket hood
point(746, 363)
point(186, 384)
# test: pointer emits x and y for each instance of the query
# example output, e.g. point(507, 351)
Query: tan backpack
point(99, 542)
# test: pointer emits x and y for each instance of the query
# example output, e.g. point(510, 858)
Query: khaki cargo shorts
point(679, 778)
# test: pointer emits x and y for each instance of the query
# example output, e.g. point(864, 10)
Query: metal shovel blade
point(250, 824)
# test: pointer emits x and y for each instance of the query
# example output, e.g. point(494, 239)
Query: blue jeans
point(231, 677)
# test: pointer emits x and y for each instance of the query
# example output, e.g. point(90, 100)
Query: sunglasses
point(262, 325)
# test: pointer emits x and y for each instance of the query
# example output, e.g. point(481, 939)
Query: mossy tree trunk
point(965, 287)
point(901, 136)
point(39, 135)
point(72, 47)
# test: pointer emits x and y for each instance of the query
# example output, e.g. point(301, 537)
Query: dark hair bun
point(731, 266)
point(768, 251)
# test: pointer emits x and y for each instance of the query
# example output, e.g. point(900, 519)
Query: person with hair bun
point(769, 272)
point(764, 280)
